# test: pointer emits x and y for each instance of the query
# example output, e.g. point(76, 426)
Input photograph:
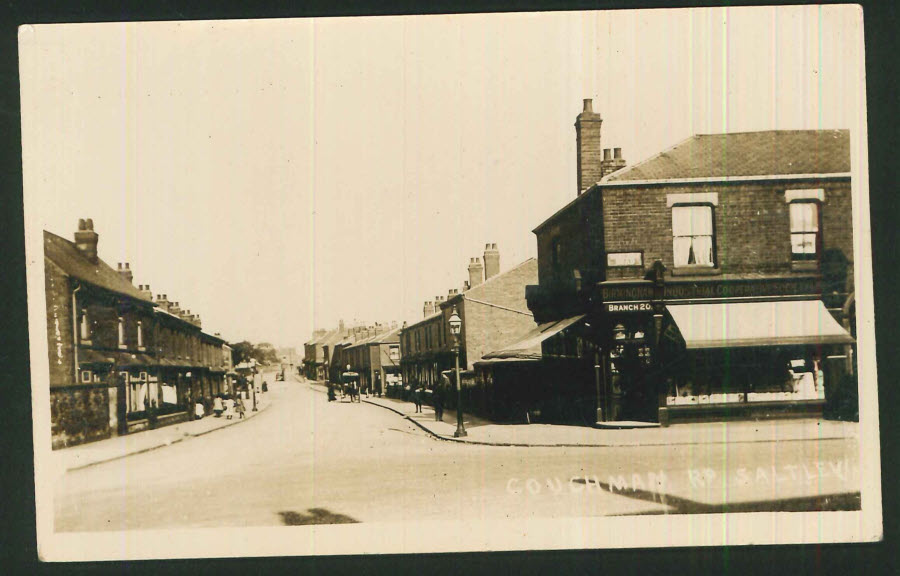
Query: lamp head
point(455, 322)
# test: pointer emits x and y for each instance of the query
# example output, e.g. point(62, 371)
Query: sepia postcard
point(444, 283)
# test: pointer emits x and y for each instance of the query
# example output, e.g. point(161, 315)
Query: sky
point(275, 176)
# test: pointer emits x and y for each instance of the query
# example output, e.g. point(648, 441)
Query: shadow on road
point(315, 516)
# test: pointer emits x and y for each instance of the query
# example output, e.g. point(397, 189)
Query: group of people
point(222, 404)
point(437, 399)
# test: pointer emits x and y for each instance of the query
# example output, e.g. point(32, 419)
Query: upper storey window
point(693, 229)
point(806, 226)
point(693, 238)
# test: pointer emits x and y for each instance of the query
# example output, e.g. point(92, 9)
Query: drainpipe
point(75, 330)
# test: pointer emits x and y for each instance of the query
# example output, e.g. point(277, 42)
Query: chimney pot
point(81, 224)
point(89, 224)
point(606, 152)
point(617, 153)
point(588, 105)
point(120, 265)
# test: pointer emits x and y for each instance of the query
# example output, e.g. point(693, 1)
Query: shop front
point(712, 349)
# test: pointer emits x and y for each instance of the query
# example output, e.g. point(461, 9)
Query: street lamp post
point(455, 328)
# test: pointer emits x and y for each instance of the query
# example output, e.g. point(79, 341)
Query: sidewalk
point(549, 435)
point(92, 453)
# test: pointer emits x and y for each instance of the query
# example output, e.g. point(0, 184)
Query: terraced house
point(494, 312)
point(119, 362)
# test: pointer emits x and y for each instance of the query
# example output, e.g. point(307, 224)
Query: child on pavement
point(229, 408)
point(240, 408)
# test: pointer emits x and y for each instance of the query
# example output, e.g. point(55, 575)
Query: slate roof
point(69, 258)
point(774, 152)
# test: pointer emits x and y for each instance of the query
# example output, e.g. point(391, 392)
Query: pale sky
point(275, 176)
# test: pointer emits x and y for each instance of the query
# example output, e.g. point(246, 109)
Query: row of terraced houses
point(713, 280)
point(120, 360)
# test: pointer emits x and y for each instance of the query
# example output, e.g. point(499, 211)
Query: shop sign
point(628, 307)
point(643, 290)
point(624, 259)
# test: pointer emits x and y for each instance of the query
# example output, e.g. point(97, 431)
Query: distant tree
point(266, 353)
point(242, 351)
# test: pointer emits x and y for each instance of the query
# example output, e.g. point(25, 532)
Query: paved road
point(305, 461)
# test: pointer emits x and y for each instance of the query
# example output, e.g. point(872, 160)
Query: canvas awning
point(746, 324)
point(529, 346)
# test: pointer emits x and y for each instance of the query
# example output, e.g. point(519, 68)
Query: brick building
point(494, 313)
point(376, 358)
point(714, 279)
point(114, 352)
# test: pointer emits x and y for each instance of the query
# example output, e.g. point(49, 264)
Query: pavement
point(481, 431)
point(117, 447)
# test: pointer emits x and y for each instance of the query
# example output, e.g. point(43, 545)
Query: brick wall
point(59, 325)
point(580, 230)
point(489, 328)
point(751, 223)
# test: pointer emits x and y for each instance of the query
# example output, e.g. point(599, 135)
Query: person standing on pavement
point(198, 408)
point(417, 397)
point(218, 407)
point(229, 407)
point(438, 403)
point(239, 406)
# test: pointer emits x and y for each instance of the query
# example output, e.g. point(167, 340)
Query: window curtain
point(692, 229)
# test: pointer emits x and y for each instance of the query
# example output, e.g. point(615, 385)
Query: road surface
point(304, 460)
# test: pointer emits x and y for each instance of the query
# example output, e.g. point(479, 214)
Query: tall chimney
point(428, 309)
point(587, 136)
point(491, 261)
point(476, 272)
point(86, 239)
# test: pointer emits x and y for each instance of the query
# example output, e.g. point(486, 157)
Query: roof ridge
point(612, 176)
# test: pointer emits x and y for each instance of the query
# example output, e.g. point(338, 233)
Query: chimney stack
point(610, 165)
point(126, 272)
point(476, 272)
point(86, 239)
point(587, 136)
point(491, 261)
point(175, 309)
point(428, 309)
point(162, 300)
point(145, 290)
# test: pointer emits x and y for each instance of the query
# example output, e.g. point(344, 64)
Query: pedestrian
point(198, 408)
point(229, 407)
point(417, 398)
point(239, 406)
point(265, 386)
point(439, 403)
point(331, 396)
point(218, 407)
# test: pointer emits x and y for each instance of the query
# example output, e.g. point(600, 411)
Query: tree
point(242, 352)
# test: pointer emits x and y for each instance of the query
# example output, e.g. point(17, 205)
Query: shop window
point(806, 238)
point(394, 352)
point(693, 236)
